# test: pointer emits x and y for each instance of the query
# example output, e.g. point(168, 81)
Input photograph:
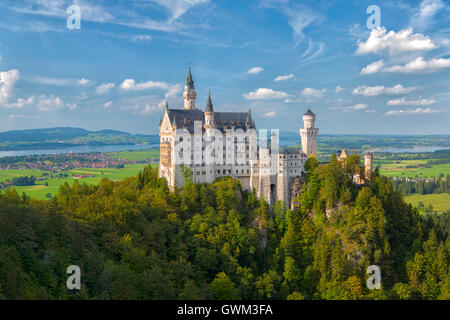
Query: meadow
point(136, 155)
point(40, 190)
point(440, 202)
point(400, 169)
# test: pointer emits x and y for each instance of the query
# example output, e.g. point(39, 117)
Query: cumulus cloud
point(130, 84)
point(7, 81)
point(269, 114)
point(148, 108)
point(49, 103)
point(395, 43)
point(265, 94)
point(255, 70)
point(404, 102)
point(313, 93)
point(283, 78)
point(379, 90)
point(339, 89)
point(420, 65)
point(412, 111)
point(356, 107)
point(20, 103)
point(104, 88)
point(374, 67)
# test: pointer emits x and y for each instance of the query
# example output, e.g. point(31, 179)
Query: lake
point(410, 149)
point(78, 149)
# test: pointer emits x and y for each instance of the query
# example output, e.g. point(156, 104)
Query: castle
point(217, 144)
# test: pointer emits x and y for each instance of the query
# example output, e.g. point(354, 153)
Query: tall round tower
point(309, 133)
point(189, 93)
point(368, 158)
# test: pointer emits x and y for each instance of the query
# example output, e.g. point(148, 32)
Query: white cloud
point(339, 89)
point(20, 103)
point(412, 111)
point(141, 37)
point(313, 93)
point(265, 94)
point(60, 82)
point(283, 78)
point(7, 81)
point(178, 7)
point(107, 104)
point(374, 67)
point(50, 103)
point(299, 16)
point(395, 43)
point(379, 90)
point(255, 70)
point(426, 12)
point(404, 102)
point(420, 65)
point(84, 82)
point(104, 88)
point(173, 91)
point(148, 108)
point(356, 107)
point(130, 84)
point(269, 114)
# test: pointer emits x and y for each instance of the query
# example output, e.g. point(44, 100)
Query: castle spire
point(209, 105)
point(189, 93)
point(166, 107)
point(189, 81)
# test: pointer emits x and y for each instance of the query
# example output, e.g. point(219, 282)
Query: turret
point(189, 93)
point(309, 118)
point(309, 133)
point(209, 113)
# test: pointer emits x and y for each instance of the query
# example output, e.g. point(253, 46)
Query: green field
point(136, 154)
point(40, 191)
point(440, 202)
point(400, 170)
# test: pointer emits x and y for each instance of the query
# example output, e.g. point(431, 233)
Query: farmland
point(40, 190)
point(440, 202)
point(48, 182)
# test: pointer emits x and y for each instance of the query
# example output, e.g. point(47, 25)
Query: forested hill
point(67, 136)
point(135, 239)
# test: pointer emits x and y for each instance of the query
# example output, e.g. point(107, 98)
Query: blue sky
point(276, 57)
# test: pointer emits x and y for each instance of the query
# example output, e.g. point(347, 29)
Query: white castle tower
point(368, 158)
point(189, 93)
point(309, 133)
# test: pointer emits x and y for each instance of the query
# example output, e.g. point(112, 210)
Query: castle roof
point(283, 150)
point(309, 112)
point(209, 105)
point(222, 120)
point(189, 81)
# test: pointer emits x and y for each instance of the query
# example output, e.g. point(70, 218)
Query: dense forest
point(136, 239)
point(422, 186)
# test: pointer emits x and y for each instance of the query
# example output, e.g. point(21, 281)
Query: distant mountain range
point(60, 137)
